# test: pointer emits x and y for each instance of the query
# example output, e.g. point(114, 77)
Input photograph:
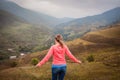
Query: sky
point(69, 8)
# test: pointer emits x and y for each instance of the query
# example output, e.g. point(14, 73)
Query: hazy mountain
point(80, 26)
point(28, 15)
point(65, 19)
point(20, 36)
point(31, 16)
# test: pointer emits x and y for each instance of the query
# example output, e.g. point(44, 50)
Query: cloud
point(69, 8)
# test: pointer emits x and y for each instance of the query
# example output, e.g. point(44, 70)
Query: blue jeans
point(58, 72)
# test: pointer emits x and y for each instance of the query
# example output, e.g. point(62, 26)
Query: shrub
point(34, 61)
point(13, 64)
point(90, 58)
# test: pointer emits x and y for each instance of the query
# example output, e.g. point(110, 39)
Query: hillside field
point(104, 66)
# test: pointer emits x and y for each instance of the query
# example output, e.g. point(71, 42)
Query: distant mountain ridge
point(108, 15)
point(29, 15)
point(80, 26)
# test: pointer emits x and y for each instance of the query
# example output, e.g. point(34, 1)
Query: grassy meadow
point(104, 67)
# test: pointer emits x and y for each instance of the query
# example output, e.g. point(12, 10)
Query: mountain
point(20, 36)
point(65, 19)
point(29, 15)
point(23, 30)
point(80, 26)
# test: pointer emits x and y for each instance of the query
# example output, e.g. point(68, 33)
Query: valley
point(26, 31)
point(26, 36)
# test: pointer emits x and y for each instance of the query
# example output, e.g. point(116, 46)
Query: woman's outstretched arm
point(46, 58)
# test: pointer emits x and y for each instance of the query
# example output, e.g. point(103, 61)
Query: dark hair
point(59, 39)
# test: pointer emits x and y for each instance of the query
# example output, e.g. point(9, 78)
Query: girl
point(58, 52)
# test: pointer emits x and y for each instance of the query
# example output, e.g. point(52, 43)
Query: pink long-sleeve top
point(58, 54)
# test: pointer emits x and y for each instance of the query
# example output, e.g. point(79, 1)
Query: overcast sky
point(69, 8)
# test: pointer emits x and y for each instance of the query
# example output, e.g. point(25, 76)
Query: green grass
point(96, 70)
point(85, 71)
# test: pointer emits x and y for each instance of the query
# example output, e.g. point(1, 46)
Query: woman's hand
point(79, 62)
point(37, 66)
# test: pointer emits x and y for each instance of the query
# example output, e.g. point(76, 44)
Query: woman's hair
point(59, 39)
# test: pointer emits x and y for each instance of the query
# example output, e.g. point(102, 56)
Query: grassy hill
point(110, 35)
point(20, 36)
point(104, 66)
